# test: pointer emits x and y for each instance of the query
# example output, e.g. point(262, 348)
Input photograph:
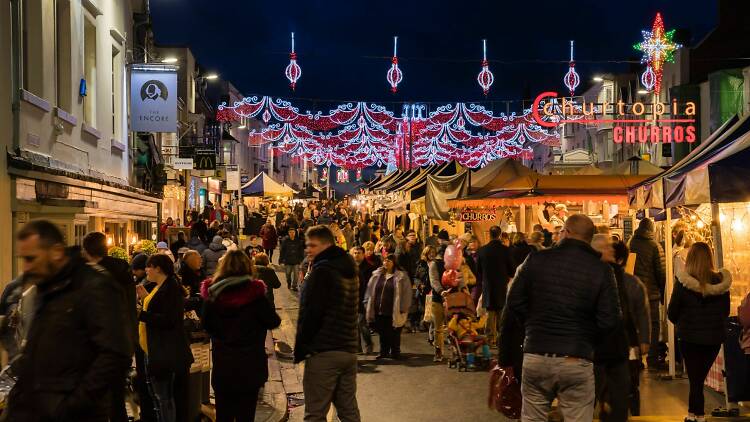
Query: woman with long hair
point(237, 316)
point(162, 338)
point(388, 299)
point(699, 308)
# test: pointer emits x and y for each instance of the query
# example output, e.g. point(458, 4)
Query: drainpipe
point(15, 24)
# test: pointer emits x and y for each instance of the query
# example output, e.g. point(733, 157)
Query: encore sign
point(475, 216)
point(632, 122)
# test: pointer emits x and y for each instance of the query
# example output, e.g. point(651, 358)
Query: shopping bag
point(427, 308)
point(505, 392)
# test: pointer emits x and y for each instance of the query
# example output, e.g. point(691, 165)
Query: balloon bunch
point(453, 258)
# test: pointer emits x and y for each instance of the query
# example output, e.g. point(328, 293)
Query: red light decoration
point(485, 77)
point(571, 79)
point(293, 72)
point(648, 79)
point(394, 75)
point(657, 47)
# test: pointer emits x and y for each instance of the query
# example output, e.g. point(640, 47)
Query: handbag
point(505, 391)
point(427, 309)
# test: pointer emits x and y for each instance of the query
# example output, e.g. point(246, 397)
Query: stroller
point(469, 349)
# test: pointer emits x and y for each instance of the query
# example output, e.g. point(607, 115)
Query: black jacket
point(649, 263)
point(510, 350)
point(566, 298)
point(700, 317)
point(519, 252)
point(77, 347)
point(168, 348)
point(119, 269)
point(615, 346)
point(271, 280)
point(191, 280)
point(238, 319)
point(494, 268)
point(328, 317)
point(292, 251)
point(365, 270)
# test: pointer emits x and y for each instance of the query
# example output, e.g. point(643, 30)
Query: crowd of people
point(557, 306)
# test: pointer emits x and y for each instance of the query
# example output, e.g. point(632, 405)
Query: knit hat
point(139, 262)
point(162, 245)
point(443, 235)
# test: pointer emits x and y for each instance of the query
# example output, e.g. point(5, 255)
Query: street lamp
point(642, 92)
point(170, 60)
point(598, 79)
point(211, 76)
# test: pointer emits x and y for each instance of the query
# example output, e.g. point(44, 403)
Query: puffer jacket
point(566, 298)
point(212, 255)
point(700, 316)
point(237, 316)
point(649, 262)
point(328, 317)
point(196, 244)
point(292, 250)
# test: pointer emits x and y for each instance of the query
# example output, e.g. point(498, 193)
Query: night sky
point(344, 47)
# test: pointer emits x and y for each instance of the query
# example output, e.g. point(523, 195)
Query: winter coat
point(700, 317)
point(268, 276)
point(649, 262)
point(365, 270)
point(12, 327)
point(168, 348)
point(196, 244)
point(269, 236)
point(365, 235)
point(212, 255)
point(328, 317)
point(408, 259)
point(402, 295)
point(519, 252)
point(615, 345)
point(292, 250)
point(511, 335)
point(119, 270)
point(76, 348)
point(494, 269)
point(348, 237)
point(743, 313)
point(639, 309)
point(237, 316)
point(566, 298)
point(191, 280)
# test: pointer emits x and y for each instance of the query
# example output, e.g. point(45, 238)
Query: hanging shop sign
point(153, 98)
point(182, 163)
point(635, 122)
point(233, 178)
point(476, 216)
point(205, 159)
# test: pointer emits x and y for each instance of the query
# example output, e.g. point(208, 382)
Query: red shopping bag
point(505, 392)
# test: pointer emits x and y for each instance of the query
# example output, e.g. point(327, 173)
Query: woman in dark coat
point(162, 338)
point(237, 315)
point(699, 308)
point(261, 270)
point(270, 239)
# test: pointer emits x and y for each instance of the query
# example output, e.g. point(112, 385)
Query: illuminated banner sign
point(153, 98)
point(475, 216)
point(636, 122)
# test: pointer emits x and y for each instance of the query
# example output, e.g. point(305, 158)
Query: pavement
point(416, 389)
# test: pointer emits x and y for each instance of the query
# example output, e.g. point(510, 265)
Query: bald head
point(580, 227)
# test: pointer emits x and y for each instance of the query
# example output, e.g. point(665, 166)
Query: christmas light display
point(342, 176)
point(394, 76)
point(657, 47)
point(358, 135)
point(571, 79)
point(648, 79)
point(485, 77)
point(293, 72)
point(324, 175)
point(358, 175)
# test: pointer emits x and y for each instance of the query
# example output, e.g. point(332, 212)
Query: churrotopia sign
point(153, 98)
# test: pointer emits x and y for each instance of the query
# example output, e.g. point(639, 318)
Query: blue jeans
point(291, 272)
point(571, 380)
point(161, 389)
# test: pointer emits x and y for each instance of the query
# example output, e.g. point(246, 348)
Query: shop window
point(32, 47)
point(80, 231)
point(117, 83)
point(89, 69)
point(62, 55)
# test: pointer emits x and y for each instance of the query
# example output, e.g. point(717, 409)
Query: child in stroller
point(470, 349)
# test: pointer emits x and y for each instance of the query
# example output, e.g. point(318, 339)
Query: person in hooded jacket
point(699, 308)
point(650, 269)
point(237, 316)
point(270, 239)
point(213, 254)
point(262, 270)
point(195, 243)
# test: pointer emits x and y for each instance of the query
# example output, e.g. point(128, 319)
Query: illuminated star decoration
point(485, 77)
point(293, 71)
point(394, 75)
point(571, 79)
point(657, 47)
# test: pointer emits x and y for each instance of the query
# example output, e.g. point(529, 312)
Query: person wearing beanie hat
point(212, 255)
point(163, 249)
point(138, 266)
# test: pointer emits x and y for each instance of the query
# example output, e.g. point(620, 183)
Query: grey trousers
point(331, 378)
point(570, 380)
point(291, 272)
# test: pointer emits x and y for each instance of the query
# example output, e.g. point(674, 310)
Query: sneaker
point(438, 357)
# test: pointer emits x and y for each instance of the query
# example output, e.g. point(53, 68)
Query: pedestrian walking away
point(494, 270)
point(327, 330)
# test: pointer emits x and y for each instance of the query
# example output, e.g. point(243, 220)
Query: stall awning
point(262, 185)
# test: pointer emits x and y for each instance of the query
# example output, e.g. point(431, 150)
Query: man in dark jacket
point(78, 345)
point(291, 255)
point(365, 268)
point(494, 270)
point(566, 298)
point(649, 268)
point(95, 250)
point(327, 329)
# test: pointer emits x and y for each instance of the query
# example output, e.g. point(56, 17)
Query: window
point(117, 82)
point(32, 39)
point(63, 93)
point(89, 69)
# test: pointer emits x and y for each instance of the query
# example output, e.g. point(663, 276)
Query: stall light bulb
point(722, 217)
point(693, 217)
point(738, 225)
point(109, 241)
point(134, 240)
point(700, 225)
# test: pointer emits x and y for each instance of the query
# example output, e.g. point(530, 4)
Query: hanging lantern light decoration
point(485, 77)
point(571, 79)
point(358, 175)
point(293, 71)
point(657, 47)
point(324, 175)
point(342, 176)
point(394, 76)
